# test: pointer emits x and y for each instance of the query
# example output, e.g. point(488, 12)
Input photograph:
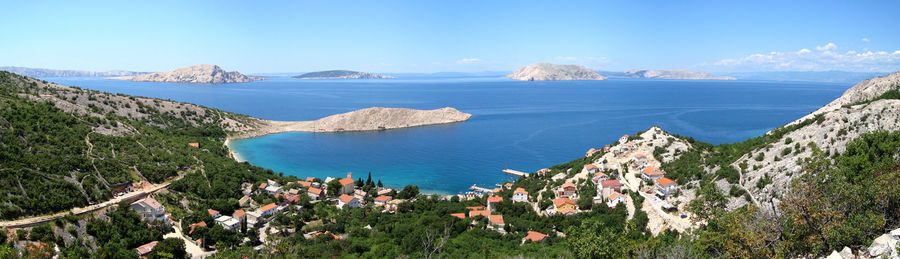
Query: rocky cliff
point(201, 74)
point(553, 72)
point(43, 72)
point(664, 74)
point(340, 74)
point(369, 119)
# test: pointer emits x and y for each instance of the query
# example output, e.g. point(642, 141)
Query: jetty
point(480, 189)
point(516, 173)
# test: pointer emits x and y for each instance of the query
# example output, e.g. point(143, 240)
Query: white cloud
point(827, 57)
point(468, 60)
point(865, 40)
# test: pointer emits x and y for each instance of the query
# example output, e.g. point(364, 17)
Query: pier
point(516, 173)
point(480, 189)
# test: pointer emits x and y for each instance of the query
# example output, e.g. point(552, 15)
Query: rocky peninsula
point(369, 119)
point(554, 72)
point(199, 74)
point(340, 74)
point(664, 74)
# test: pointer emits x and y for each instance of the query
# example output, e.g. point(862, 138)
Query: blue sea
point(519, 125)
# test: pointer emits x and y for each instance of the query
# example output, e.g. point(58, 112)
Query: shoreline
point(234, 154)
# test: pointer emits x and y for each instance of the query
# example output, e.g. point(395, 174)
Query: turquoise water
point(519, 125)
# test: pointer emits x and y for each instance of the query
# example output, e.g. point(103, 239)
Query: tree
point(369, 179)
point(709, 203)
point(408, 192)
point(334, 187)
point(379, 183)
point(360, 183)
point(169, 248)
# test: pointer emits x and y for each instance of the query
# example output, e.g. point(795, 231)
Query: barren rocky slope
point(553, 72)
point(340, 74)
point(664, 74)
point(375, 118)
point(830, 128)
point(202, 74)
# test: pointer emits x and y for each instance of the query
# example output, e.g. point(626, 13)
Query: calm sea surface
point(519, 125)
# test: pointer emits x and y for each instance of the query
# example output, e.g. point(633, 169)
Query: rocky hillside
point(340, 74)
point(64, 147)
point(43, 72)
point(200, 74)
point(554, 72)
point(664, 74)
point(867, 107)
point(375, 118)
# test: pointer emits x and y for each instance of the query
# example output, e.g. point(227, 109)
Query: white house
point(599, 177)
point(268, 209)
point(591, 168)
point(273, 190)
point(382, 200)
point(623, 139)
point(651, 173)
point(665, 187)
point(150, 209)
point(614, 199)
point(520, 195)
point(348, 201)
point(228, 222)
point(314, 193)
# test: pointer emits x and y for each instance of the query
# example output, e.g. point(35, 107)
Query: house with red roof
point(347, 201)
point(195, 226)
point(475, 213)
point(534, 236)
point(598, 177)
point(382, 200)
point(458, 215)
point(640, 159)
point(239, 214)
point(623, 139)
point(569, 189)
point(564, 205)
point(145, 249)
point(614, 199)
point(651, 173)
point(591, 168)
point(496, 220)
point(268, 209)
point(304, 183)
point(607, 187)
point(520, 195)
point(150, 209)
point(508, 186)
point(291, 198)
point(665, 187)
point(314, 193)
point(493, 201)
point(347, 184)
point(213, 213)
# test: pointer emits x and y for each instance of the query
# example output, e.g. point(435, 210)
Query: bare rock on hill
point(554, 72)
point(340, 74)
point(369, 119)
point(665, 74)
point(201, 74)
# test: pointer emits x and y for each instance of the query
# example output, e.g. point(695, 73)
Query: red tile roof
point(650, 170)
point(310, 179)
point(566, 210)
point(615, 195)
point(568, 184)
point(383, 198)
point(263, 185)
point(314, 190)
point(268, 207)
point(212, 212)
point(149, 202)
point(346, 198)
point(348, 180)
point(198, 224)
point(303, 183)
point(494, 199)
point(474, 213)
point(665, 181)
point(591, 166)
point(239, 213)
point(146, 248)
point(458, 215)
point(560, 201)
point(194, 144)
point(610, 183)
point(520, 190)
point(496, 219)
point(535, 236)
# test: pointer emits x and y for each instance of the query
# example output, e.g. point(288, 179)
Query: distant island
point(554, 72)
point(369, 119)
point(664, 74)
point(44, 72)
point(340, 74)
point(200, 74)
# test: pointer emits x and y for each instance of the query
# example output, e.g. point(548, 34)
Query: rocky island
point(554, 72)
point(199, 74)
point(664, 74)
point(369, 119)
point(340, 74)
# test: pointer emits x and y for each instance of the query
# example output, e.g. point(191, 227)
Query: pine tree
point(369, 180)
point(379, 183)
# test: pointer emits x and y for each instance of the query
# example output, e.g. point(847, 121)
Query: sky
point(458, 36)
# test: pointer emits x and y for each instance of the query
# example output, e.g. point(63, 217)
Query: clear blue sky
point(432, 36)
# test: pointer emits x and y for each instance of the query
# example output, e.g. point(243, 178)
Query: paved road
point(132, 196)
